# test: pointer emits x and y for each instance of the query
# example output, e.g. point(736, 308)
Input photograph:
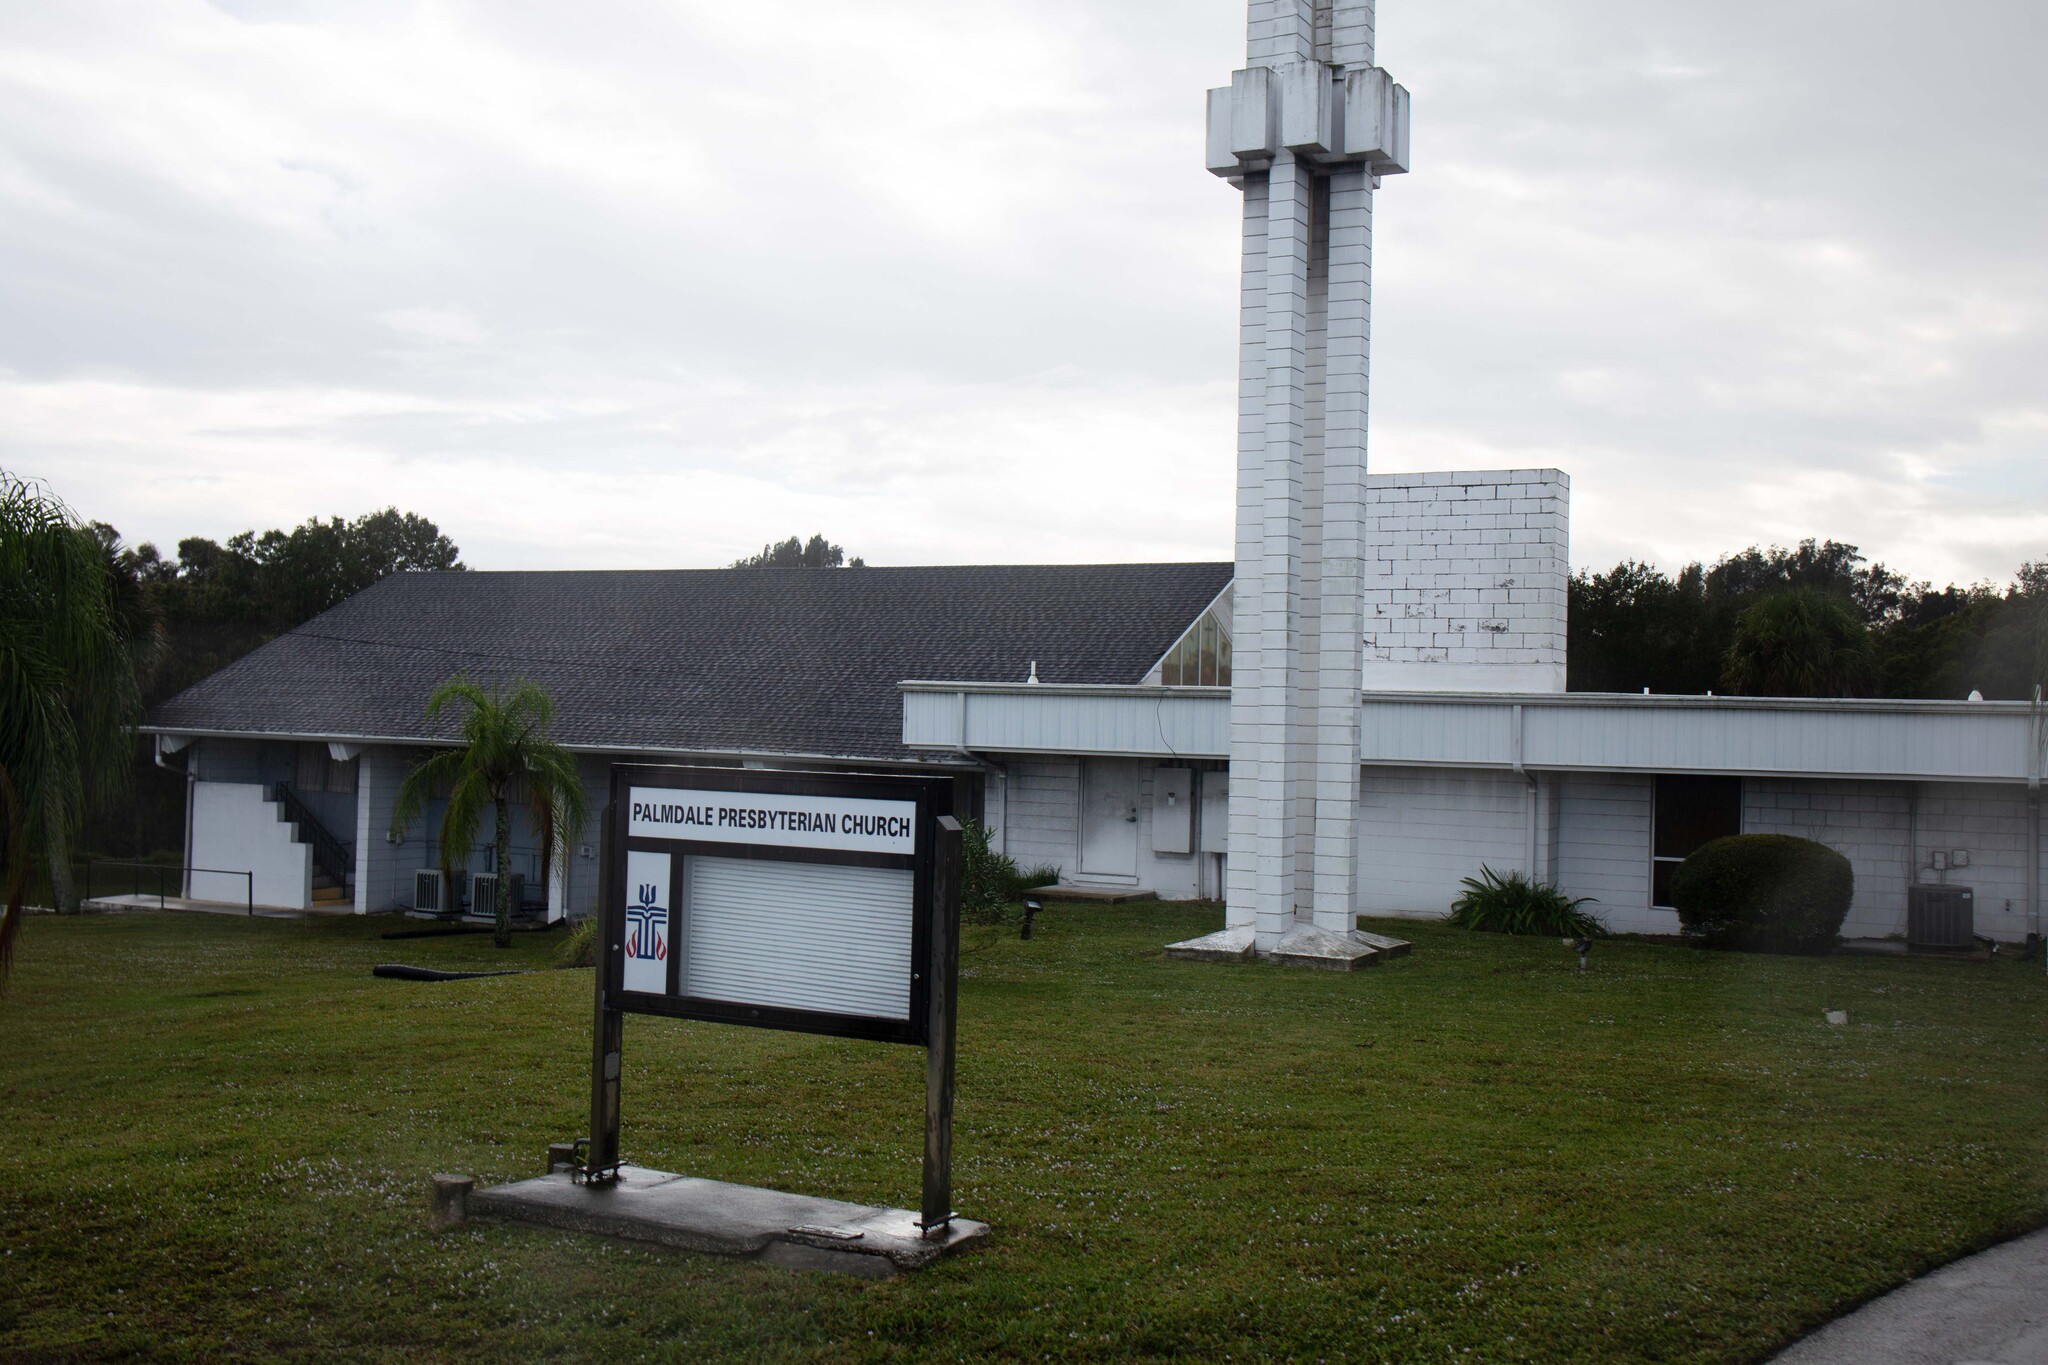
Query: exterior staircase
point(333, 868)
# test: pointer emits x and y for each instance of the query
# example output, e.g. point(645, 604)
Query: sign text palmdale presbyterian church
point(779, 819)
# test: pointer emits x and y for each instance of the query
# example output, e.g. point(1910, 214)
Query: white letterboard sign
point(787, 900)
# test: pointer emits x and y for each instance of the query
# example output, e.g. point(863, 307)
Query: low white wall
point(235, 829)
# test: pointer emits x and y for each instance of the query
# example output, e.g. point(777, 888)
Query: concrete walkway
point(1987, 1309)
point(117, 904)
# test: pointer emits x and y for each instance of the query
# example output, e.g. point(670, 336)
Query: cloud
point(948, 283)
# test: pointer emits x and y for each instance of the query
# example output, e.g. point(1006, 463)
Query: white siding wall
point(1038, 824)
point(1042, 819)
point(1422, 830)
point(1603, 849)
point(383, 869)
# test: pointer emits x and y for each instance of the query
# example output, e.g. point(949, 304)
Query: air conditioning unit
point(483, 893)
point(429, 891)
point(1941, 917)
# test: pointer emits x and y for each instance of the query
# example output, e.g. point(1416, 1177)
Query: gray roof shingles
point(799, 661)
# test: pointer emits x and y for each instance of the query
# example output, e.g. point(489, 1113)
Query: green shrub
point(1513, 904)
point(988, 879)
point(580, 948)
point(990, 884)
point(1768, 893)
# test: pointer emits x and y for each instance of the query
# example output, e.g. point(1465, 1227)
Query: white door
point(1109, 818)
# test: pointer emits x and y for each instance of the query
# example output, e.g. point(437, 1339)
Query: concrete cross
point(1306, 130)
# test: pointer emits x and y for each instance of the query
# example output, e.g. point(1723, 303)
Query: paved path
point(117, 904)
point(1987, 1309)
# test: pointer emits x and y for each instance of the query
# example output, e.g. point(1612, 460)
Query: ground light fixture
point(1031, 909)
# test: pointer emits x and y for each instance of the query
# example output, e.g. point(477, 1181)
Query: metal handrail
point(329, 854)
point(248, 878)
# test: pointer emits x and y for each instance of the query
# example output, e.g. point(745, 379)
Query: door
point(1109, 818)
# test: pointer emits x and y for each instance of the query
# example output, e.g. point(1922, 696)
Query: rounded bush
point(1766, 893)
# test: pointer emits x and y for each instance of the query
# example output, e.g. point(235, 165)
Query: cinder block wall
point(1992, 823)
point(1866, 822)
point(1466, 588)
point(1603, 849)
point(1870, 823)
point(1421, 831)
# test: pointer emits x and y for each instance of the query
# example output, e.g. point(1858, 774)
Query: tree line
point(1816, 620)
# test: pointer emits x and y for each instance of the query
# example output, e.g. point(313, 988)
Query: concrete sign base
point(793, 1230)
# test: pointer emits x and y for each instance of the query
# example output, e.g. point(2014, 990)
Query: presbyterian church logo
point(646, 926)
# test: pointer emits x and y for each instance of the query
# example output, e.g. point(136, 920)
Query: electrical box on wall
point(1173, 810)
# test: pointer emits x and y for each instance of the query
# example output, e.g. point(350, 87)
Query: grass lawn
point(216, 1134)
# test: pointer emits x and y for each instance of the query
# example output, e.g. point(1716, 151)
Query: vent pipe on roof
point(1034, 672)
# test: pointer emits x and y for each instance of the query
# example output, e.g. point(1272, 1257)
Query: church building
point(1364, 707)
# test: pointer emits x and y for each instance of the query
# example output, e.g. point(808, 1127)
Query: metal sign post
point(938, 1057)
point(607, 1031)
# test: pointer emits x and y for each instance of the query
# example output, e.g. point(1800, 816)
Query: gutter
point(439, 742)
point(1534, 792)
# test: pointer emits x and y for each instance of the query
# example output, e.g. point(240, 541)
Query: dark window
point(1690, 811)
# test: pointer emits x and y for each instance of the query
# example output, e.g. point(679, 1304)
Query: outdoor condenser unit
point(483, 893)
point(1941, 917)
point(429, 891)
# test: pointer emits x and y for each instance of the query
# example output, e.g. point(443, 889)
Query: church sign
point(817, 902)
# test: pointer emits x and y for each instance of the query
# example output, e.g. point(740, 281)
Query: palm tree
point(505, 757)
point(1800, 642)
point(68, 698)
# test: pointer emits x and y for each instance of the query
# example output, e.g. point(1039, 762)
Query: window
point(1200, 658)
point(1690, 811)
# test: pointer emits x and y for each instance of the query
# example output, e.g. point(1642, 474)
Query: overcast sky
point(617, 283)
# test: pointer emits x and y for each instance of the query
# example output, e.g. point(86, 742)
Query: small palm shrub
point(1513, 904)
point(1764, 893)
point(988, 879)
point(580, 948)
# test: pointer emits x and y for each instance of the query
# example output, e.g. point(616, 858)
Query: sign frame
point(932, 797)
point(935, 866)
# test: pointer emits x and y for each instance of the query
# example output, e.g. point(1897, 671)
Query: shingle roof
point(801, 661)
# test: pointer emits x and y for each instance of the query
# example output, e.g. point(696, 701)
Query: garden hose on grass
point(398, 971)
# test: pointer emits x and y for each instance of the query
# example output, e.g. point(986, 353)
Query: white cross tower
point(1307, 130)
